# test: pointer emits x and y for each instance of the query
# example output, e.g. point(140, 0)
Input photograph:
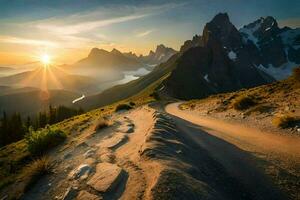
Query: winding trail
point(240, 135)
point(241, 149)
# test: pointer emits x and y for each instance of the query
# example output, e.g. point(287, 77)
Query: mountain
point(5, 69)
point(30, 101)
point(219, 60)
point(222, 62)
point(196, 41)
point(277, 49)
point(160, 55)
point(51, 78)
point(100, 58)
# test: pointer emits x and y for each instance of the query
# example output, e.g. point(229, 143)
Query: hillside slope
point(29, 103)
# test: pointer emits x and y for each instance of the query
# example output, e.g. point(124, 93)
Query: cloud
point(25, 41)
point(87, 26)
point(144, 33)
point(100, 17)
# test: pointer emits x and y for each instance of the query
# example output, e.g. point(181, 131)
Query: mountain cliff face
point(277, 49)
point(221, 62)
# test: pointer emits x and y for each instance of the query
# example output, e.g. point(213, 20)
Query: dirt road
point(243, 151)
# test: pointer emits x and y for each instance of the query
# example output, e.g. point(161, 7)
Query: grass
point(285, 121)
point(35, 170)
point(296, 73)
point(243, 102)
point(39, 142)
point(123, 107)
point(131, 103)
point(101, 124)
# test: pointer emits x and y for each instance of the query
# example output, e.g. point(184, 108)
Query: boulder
point(106, 178)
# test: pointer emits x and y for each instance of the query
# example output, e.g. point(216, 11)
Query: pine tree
point(52, 115)
point(28, 123)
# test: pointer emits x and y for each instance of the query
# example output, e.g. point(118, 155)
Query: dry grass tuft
point(101, 124)
point(296, 73)
point(36, 170)
point(243, 102)
point(123, 107)
point(285, 121)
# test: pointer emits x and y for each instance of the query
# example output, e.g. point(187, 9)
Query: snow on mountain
point(232, 55)
point(276, 50)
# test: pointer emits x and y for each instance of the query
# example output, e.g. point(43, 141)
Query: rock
point(114, 141)
point(70, 194)
point(106, 155)
point(68, 155)
point(84, 195)
point(129, 128)
point(82, 172)
point(106, 178)
point(89, 153)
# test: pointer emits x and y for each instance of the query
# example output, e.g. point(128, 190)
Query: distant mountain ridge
point(52, 79)
point(115, 59)
point(100, 58)
point(160, 55)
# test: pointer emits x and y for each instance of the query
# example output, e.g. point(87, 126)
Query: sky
point(67, 30)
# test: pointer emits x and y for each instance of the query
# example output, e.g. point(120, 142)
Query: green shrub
point(35, 170)
point(123, 107)
point(285, 121)
point(243, 102)
point(101, 124)
point(41, 141)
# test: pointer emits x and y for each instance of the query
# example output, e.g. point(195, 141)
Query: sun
point(45, 59)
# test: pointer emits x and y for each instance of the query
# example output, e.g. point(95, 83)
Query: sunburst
point(45, 59)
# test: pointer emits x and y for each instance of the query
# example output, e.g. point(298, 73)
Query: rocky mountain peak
point(221, 30)
point(160, 48)
point(96, 51)
point(116, 52)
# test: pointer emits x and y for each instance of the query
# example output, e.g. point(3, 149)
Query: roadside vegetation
point(40, 141)
point(123, 107)
point(101, 124)
point(36, 170)
point(243, 102)
point(286, 121)
point(13, 128)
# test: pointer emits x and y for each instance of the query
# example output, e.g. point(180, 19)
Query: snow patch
point(279, 73)
point(232, 55)
point(206, 78)
point(267, 28)
point(248, 32)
